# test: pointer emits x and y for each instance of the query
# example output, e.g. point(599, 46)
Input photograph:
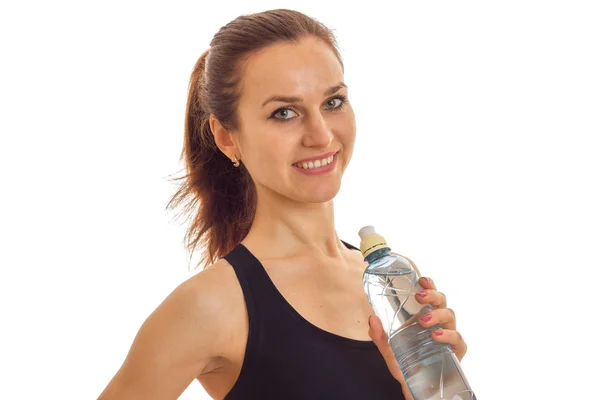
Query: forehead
point(291, 68)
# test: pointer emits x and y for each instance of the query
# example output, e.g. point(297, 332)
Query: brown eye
point(333, 102)
point(336, 102)
point(283, 114)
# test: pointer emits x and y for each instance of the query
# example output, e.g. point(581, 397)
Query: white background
point(476, 156)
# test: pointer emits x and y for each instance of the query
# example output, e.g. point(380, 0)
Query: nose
point(317, 133)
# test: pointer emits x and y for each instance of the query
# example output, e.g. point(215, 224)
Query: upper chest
point(330, 297)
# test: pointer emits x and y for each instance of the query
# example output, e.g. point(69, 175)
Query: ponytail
point(223, 196)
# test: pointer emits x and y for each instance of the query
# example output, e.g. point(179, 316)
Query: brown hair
point(220, 197)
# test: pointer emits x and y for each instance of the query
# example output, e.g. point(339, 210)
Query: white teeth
point(316, 163)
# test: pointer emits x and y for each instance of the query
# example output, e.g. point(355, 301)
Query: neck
point(284, 228)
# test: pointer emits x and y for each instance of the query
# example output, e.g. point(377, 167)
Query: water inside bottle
point(429, 367)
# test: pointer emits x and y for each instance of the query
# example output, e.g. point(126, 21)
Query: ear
point(223, 137)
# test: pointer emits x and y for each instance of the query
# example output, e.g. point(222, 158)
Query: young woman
point(279, 312)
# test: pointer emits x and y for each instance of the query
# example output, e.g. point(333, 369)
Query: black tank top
point(288, 358)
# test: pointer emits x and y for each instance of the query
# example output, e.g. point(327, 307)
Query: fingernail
point(426, 318)
point(422, 293)
point(438, 333)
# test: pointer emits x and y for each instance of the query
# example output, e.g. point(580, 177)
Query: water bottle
point(430, 368)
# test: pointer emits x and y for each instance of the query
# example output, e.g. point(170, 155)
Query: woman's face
point(294, 107)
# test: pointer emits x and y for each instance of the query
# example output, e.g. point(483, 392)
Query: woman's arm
point(173, 345)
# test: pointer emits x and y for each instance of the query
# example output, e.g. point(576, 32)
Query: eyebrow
point(288, 99)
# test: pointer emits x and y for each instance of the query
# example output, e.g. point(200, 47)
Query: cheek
point(347, 137)
point(347, 131)
point(346, 123)
point(268, 155)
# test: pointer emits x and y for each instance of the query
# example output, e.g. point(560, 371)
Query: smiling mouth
point(315, 163)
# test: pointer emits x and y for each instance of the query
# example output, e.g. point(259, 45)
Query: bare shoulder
point(178, 340)
point(215, 288)
point(212, 301)
point(221, 299)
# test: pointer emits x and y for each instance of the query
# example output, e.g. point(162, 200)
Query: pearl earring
point(236, 162)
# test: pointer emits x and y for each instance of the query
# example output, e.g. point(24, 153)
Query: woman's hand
point(440, 314)
point(443, 316)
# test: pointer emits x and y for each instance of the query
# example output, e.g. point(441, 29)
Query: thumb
point(379, 337)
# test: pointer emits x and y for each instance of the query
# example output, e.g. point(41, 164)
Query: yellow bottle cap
point(370, 240)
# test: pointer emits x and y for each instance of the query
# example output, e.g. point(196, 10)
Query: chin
point(321, 194)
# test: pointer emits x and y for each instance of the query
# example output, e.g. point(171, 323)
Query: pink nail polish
point(426, 318)
point(438, 333)
point(422, 293)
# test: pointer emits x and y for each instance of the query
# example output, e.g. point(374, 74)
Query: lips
point(312, 168)
point(315, 162)
point(319, 157)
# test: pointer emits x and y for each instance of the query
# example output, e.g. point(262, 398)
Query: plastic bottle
point(430, 368)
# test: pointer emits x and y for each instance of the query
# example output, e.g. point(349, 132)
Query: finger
point(433, 297)
point(443, 316)
point(454, 339)
point(427, 283)
point(380, 339)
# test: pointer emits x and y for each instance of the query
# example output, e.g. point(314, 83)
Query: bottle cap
point(367, 230)
point(370, 240)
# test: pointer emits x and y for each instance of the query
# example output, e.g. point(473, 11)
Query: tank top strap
point(249, 274)
point(348, 245)
point(254, 280)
